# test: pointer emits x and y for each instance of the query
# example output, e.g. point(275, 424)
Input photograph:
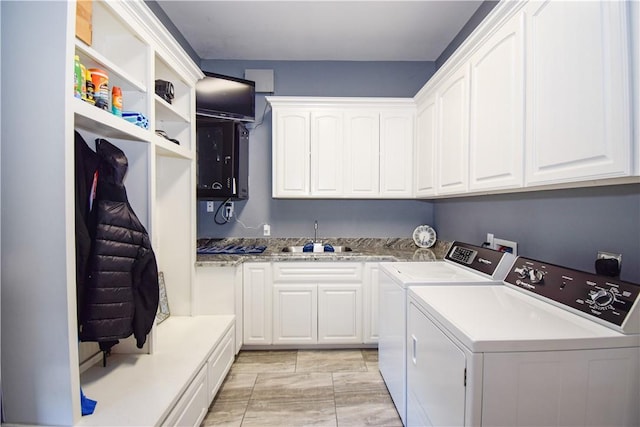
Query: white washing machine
point(550, 346)
point(463, 264)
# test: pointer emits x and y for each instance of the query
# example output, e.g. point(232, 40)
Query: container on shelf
point(77, 77)
point(116, 101)
point(83, 82)
point(90, 89)
point(101, 87)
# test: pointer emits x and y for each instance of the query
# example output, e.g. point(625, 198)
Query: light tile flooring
point(304, 388)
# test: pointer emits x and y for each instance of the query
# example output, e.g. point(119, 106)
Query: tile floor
point(304, 388)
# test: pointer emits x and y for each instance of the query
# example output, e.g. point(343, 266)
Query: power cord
point(264, 112)
point(248, 227)
point(226, 218)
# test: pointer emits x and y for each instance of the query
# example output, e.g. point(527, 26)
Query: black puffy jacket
point(121, 293)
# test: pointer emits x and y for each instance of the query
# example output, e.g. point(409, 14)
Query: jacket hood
point(114, 163)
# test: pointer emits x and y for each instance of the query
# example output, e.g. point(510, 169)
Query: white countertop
point(496, 318)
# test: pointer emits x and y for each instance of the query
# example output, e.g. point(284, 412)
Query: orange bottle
point(116, 101)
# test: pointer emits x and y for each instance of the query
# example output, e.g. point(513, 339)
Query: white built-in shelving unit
point(41, 362)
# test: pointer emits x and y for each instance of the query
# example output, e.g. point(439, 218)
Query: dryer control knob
point(536, 276)
point(522, 272)
point(602, 298)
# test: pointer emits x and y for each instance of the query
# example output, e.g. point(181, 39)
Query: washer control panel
point(490, 262)
point(607, 299)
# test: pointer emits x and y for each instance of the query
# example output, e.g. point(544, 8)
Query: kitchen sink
point(300, 249)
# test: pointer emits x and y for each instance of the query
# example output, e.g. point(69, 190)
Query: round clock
point(424, 236)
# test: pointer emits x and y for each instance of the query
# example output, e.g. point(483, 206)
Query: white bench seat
point(144, 389)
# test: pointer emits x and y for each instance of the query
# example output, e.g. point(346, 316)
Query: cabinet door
point(453, 132)
point(435, 374)
point(396, 153)
point(192, 406)
point(496, 135)
point(291, 139)
point(362, 153)
point(295, 313)
point(257, 314)
point(370, 297)
point(425, 164)
point(578, 91)
point(339, 313)
point(327, 153)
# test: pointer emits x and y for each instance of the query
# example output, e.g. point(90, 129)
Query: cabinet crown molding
point(308, 102)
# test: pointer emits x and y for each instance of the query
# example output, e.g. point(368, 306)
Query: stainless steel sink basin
point(300, 249)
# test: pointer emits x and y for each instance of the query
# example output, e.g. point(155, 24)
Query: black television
point(226, 97)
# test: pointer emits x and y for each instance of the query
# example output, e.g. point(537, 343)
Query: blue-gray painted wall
point(336, 218)
point(566, 227)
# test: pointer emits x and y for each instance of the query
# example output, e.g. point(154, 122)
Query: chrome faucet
point(315, 231)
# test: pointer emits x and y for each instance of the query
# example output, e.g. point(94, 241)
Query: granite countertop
point(363, 250)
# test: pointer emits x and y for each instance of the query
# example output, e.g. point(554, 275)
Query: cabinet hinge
point(465, 377)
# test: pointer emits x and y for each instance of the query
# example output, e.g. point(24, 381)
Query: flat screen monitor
point(226, 97)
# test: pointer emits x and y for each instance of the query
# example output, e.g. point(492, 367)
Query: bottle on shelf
point(90, 88)
point(116, 101)
point(101, 87)
point(83, 82)
point(77, 77)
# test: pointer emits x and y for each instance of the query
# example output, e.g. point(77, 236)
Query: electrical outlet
point(228, 210)
point(210, 206)
point(609, 255)
point(266, 230)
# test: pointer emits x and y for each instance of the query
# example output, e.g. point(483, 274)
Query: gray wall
point(566, 227)
point(475, 20)
point(336, 218)
point(168, 23)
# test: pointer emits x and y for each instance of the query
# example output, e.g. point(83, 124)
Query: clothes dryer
point(463, 264)
point(549, 346)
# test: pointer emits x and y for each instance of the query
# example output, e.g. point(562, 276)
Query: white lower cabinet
point(340, 313)
point(257, 303)
point(192, 406)
point(194, 402)
point(218, 290)
point(295, 314)
point(218, 365)
point(307, 303)
point(370, 297)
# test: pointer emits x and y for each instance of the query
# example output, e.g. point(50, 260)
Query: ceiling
point(320, 30)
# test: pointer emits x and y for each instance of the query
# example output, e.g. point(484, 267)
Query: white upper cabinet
point(425, 148)
point(578, 91)
point(291, 145)
point(538, 95)
point(362, 153)
point(327, 129)
point(396, 153)
point(342, 147)
point(453, 132)
point(496, 130)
